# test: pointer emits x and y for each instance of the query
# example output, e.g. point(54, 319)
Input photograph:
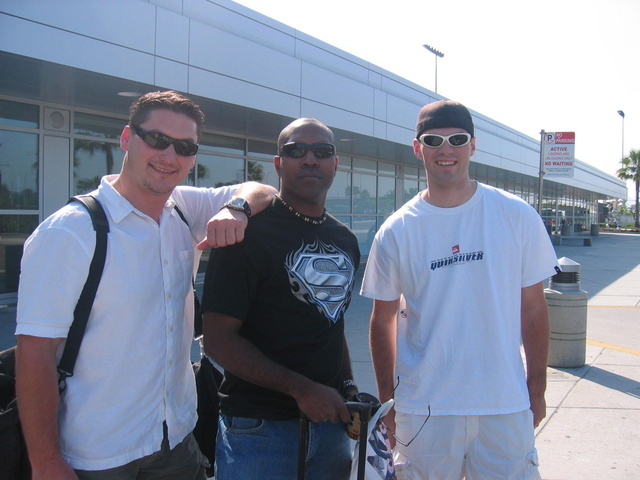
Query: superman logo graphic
point(322, 275)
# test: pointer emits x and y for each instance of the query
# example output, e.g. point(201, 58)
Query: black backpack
point(13, 451)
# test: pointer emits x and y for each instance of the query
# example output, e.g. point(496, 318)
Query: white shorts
point(476, 447)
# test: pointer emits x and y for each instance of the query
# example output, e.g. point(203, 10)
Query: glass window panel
point(19, 114)
point(190, 180)
point(365, 229)
point(411, 172)
point(15, 230)
point(345, 162)
point(363, 193)
point(344, 219)
point(366, 165)
point(97, 126)
point(263, 172)
point(18, 170)
point(222, 143)
point(386, 194)
point(216, 171)
point(386, 168)
point(91, 161)
point(265, 150)
point(339, 195)
point(411, 188)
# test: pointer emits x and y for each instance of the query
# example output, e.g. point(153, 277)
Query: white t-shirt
point(460, 272)
point(133, 371)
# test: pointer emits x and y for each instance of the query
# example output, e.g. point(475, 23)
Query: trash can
point(568, 317)
point(566, 230)
point(595, 229)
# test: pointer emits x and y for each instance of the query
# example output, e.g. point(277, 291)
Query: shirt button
point(166, 262)
point(169, 295)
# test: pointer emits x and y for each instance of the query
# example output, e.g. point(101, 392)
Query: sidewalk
point(592, 429)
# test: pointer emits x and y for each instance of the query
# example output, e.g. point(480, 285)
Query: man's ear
point(417, 150)
point(125, 137)
point(276, 164)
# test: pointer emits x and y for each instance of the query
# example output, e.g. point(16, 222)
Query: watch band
point(349, 383)
point(239, 204)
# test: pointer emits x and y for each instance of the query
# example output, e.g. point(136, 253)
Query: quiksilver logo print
point(458, 258)
point(321, 275)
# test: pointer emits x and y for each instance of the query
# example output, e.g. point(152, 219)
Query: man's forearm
point(227, 226)
point(535, 334)
point(242, 358)
point(535, 341)
point(382, 337)
point(258, 195)
point(348, 389)
point(38, 398)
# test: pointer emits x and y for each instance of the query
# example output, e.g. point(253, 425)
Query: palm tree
point(630, 170)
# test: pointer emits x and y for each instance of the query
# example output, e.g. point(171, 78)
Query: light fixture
point(437, 53)
point(621, 113)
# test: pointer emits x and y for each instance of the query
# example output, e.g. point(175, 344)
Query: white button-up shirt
point(133, 371)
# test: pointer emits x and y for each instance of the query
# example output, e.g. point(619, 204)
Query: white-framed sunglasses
point(434, 140)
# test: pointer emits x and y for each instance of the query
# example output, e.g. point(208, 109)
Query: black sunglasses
point(161, 142)
point(299, 150)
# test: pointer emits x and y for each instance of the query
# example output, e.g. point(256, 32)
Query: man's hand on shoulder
point(225, 228)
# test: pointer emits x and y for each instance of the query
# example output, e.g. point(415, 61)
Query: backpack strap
point(179, 212)
point(85, 302)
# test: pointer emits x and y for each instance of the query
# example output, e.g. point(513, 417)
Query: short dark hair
point(287, 131)
point(168, 100)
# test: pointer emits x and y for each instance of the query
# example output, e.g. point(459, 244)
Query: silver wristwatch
point(239, 204)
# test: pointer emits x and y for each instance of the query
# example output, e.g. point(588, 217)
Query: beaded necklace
point(302, 216)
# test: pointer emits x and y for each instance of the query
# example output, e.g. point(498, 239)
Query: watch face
point(241, 204)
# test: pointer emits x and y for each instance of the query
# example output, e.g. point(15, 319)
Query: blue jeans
point(253, 448)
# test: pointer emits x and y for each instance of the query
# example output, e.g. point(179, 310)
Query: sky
point(553, 65)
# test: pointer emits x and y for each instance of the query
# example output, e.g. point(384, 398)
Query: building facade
point(69, 69)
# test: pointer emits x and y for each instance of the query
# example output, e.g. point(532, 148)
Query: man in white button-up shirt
point(130, 407)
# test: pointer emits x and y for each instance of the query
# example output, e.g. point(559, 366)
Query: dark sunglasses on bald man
point(161, 141)
point(299, 150)
point(434, 140)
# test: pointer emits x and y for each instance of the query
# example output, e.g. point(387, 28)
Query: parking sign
point(559, 150)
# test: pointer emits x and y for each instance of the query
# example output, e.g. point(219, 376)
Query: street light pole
point(621, 113)
point(437, 53)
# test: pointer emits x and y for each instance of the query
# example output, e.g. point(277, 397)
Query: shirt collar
point(117, 205)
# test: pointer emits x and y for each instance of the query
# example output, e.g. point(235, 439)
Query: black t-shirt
point(290, 282)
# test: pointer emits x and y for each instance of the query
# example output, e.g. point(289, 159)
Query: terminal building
point(69, 69)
